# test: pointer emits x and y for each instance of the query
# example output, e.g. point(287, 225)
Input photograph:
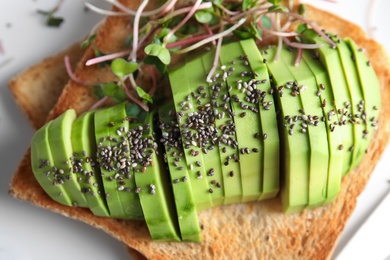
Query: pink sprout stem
point(106, 58)
point(298, 58)
point(70, 72)
point(133, 55)
point(182, 22)
point(187, 41)
point(99, 103)
point(215, 62)
point(321, 33)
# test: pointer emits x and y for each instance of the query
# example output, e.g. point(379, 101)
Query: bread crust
point(257, 230)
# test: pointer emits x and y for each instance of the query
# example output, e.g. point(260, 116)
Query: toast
point(251, 230)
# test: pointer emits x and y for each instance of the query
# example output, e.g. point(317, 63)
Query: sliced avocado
point(240, 84)
point(152, 180)
point(226, 142)
point(208, 131)
point(84, 166)
point(268, 118)
point(342, 99)
point(43, 167)
point(113, 156)
point(371, 95)
point(295, 145)
point(185, 104)
point(177, 166)
point(356, 111)
point(334, 133)
point(59, 136)
point(312, 124)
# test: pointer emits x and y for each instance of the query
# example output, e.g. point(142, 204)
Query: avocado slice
point(84, 163)
point(59, 136)
point(370, 89)
point(113, 156)
point(295, 146)
point(268, 119)
point(43, 167)
point(246, 119)
point(334, 133)
point(208, 131)
point(305, 89)
point(342, 99)
point(185, 104)
point(231, 173)
point(153, 183)
point(356, 112)
point(182, 190)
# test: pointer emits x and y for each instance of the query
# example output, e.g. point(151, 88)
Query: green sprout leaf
point(247, 32)
point(275, 2)
point(120, 67)
point(277, 8)
point(88, 41)
point(134, 111)
point(301, 28)
point(142, 94)
point(203, 16)
point(266, 22)
point(51, 20)
point(152, 60)
point(247, 4)
point(110, 90)
point(302, 10)
point(159, 51)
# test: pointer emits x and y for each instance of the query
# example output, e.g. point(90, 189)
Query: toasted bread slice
point(251, 230)
point(37, 89)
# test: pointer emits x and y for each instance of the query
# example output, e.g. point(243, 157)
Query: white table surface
point(30, 233)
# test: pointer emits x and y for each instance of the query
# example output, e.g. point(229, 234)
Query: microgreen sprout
point(51, 19)
point(175, 30)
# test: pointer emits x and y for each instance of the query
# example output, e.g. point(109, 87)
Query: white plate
point(27, 232)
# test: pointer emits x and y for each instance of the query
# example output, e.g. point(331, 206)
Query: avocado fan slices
point(204, 119)
point(181, 184)
point(43, 168)
point(269, 125)
point(246, 119)
point(226, 138)
point(310, 123)
point(83, 163)
point(152, 180)
point(113, 156)
point(325, 94)
point(136, 184)
point(185, 106)
point(59, 136)
point(295, 147)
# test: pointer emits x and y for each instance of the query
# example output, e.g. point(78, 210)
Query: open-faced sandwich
point(241, 129)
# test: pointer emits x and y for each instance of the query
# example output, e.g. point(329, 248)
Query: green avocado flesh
point(231, 174)
point(342, 99)
point(334, 133)
point(295, 146)
point(254, 127)
point(44, 169)
point(114, 152)
point(185, 103)
point(311, 123)
point(246, 119)
point(59, 136)
point(88, 174)
point(176, 163)
point(152, 182)
point(370, 89)
point(203, 110)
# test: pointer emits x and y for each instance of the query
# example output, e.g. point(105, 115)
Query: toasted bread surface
point(242, 231)
point(37, 88)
